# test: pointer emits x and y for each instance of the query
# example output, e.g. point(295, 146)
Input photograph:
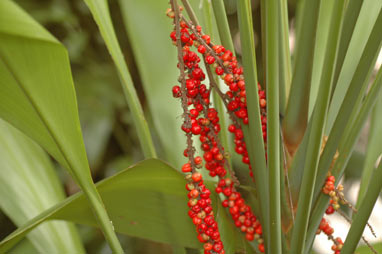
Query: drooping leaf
point(148, 200)
point(37, 97)
point(28, 186)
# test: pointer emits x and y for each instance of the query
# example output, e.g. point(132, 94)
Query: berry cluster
point(201, 212)
point(328, 230)
point(199, 196)
point(330, 189)
point(203, 121)
point(227, 67)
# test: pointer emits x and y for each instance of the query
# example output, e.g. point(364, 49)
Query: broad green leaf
point(100, 12)
point(37, 97)
point(362, 30)
point(25, 246)
point(157, 67)
point(147, 200)
point(28, 186)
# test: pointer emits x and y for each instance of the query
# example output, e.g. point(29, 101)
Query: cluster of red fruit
point(227, 67)
point(328, 230)
point(203, 121)
point(329, 189)
point(201, 211)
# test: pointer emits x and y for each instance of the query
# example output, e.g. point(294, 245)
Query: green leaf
point(357, 86)
point(28, 186)
point(366, 250)
point(317, 131)
point(326, 8)
point(25, 246)
point(361, 34)
point(157, 68)
point(222, 24)
point(374, 147)
point(350, 20)
point(100, 12)
point(362, 216)
point(272, 27)
point(345, 149)
point(285, 70)
point(37, 97)
point(296, 116)
point(253, 133)
point(147, 200)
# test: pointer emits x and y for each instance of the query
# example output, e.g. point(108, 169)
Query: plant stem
point(255, 139)
point(273, 122)
point(318, 124)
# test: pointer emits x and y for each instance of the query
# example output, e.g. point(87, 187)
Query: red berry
point(201, 49)
point(210, 59)
point(196, 177)
point(186, 168)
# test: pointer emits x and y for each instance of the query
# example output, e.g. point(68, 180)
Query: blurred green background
point(110, 138)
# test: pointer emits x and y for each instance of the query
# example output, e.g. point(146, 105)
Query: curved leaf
point(37, 97)
point(28, 186)
point(147, 200)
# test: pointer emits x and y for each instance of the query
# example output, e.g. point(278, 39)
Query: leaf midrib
point(41, 117)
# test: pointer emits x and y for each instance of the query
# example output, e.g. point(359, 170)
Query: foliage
point(98, 74)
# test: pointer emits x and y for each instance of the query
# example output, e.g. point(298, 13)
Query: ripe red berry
point(186, 168)
point(202, 49)
point(176, 92)
point(210, 59)
point(330, 210)
point(196, 129)
point(196, 177)
point(206, 38)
